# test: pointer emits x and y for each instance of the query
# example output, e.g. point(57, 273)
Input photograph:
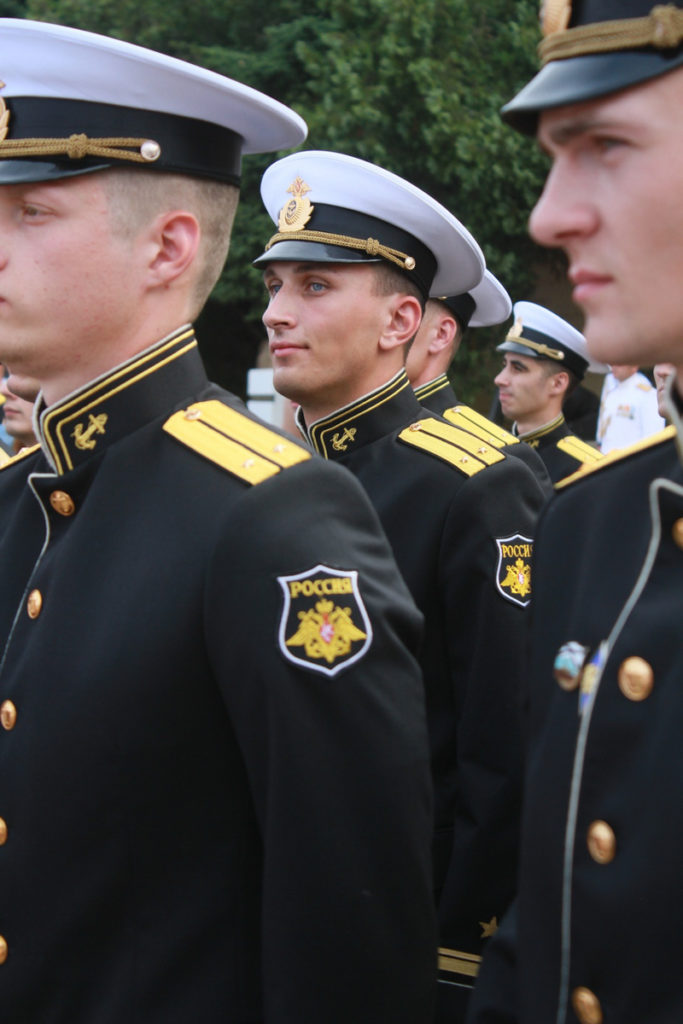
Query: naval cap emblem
point(297, 211)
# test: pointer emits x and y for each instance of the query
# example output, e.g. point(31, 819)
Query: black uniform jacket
point(214, 773)
point(562, 452)
point(596, 934)
point(460, 516)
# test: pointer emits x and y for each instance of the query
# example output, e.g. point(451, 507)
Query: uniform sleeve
point(487, 586)
point(494, 1000)
point(311, 633)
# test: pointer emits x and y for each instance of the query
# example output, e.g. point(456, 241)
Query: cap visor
point(313, 252)
point(579, 79)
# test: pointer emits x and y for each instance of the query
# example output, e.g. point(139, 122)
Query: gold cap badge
point(296, 213)
point(554, 16)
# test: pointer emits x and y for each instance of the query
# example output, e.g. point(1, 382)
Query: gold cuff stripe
point(76, 147)
point(662, 28)
point(579, 449)
point(231, 440)
point(537, 346)
point(468, 419)
point(371, 246)
point(455, 962)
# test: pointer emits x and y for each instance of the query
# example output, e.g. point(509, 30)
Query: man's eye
point(273, 289)
point(317, 286)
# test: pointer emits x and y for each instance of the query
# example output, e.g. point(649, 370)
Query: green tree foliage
point(414, 85)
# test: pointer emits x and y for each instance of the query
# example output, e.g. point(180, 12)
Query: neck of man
point(538, 418)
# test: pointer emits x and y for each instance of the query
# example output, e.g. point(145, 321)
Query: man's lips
point(587, 283)
point(283, 348)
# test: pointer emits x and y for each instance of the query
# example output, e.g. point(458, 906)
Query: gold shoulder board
point(247, 449)
point(9, 460)
point(487, 430)
point(616, 456)
point(579, 449)
point(469, 454)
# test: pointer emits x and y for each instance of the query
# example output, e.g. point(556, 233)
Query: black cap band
point(66, 137)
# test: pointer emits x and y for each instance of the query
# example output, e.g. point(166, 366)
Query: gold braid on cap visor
point(537, 346)
point(76, 147)
point(662, 28)
point(368, 245)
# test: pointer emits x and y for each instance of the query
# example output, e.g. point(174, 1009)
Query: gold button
point(3, 950)
point(8, 715)
point(3, 831)
point(62, 503)
point(586, 1006)
point(636, 678)
point(602, 843)
point(34, 604)
point(677, 532)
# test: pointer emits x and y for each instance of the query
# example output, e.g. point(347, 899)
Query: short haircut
point(137, 196)
point(552, 367)
point(389, 280)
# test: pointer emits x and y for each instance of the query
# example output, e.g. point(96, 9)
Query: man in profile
point(595, 937)
point(214, 785)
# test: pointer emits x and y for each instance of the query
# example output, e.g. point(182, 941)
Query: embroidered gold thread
point(662, 28)
point(371, 246)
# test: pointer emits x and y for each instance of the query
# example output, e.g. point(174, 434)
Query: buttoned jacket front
point(202, 820)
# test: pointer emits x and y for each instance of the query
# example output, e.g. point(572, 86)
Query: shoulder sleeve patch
point(579, 449)
point(616, 456)
point(469, 419)
point(9, 460)
point(513, 578)
point(224, 436)
point(468, 453)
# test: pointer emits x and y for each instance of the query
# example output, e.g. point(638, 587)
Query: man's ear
point(404, 316)
point(443, 335)
point(173, 242)
point(559, 382)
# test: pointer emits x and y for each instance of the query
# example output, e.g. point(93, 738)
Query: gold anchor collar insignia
point(340, 442)
point(297, 211)
point(84, 436)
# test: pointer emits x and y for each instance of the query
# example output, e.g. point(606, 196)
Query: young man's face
point(66, 285)
point(524, 389)
point(612, 201)
point(324, 322)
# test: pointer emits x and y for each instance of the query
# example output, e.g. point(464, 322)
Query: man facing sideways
point(433, 349)
point(544, 359)
point(596, 934)
point(356, 252)
point(214, 779)
point(628, 408)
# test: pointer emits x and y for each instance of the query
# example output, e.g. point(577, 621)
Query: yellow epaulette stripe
point(617, 455)
point(11, 459)
point(487, 430)
point(247, 449)
point(579, 449)
point(458, 447)
point(454, 962)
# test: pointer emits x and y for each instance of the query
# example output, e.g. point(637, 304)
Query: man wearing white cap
point(544, 359)
point(215, 801)
point(433, 350)
point(596, 934)
point(356, 252)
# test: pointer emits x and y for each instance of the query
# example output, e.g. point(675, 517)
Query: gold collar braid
point(76, 147)
point(371, 246)
point(662, 28)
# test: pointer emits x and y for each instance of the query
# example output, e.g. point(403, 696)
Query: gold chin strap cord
point(371, 246)
point(537, 346)
point(662, 28)
point(76, 147)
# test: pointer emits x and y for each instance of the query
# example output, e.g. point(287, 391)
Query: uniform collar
point(674, 412)
point(374, 415)
point(539, 432)
point(432, 386)
point(127, 397)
